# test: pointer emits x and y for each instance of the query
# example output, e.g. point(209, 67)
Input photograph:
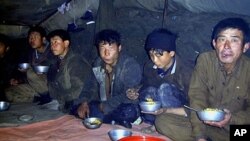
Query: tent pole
point(164, 12)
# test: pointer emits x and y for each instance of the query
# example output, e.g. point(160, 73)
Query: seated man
point(36, 84)
point(220, 80)
point(165, 78)
point(71, 80)
point(115, 72)
point(8, 65)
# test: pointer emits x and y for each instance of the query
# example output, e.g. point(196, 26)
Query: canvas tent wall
point(78, 7)
point(192, 20)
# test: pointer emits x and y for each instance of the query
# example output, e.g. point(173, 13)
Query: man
point(71, 81)
point(220, 80)
point(36, 84)
point(165, 79)
point(115, 72)
point(7, 65)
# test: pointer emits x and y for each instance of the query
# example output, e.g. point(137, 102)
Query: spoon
point(190, 108)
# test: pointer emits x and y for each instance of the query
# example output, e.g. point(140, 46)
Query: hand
point(222, 123)
point(132, 93)
point(22, 70)
point(13, 82)
point(40, 74)
point(157, 112)
point(83, 110)
point(201, 139)
point(101, 107)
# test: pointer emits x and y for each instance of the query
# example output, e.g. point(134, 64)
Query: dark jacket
point(71, 81)
point(34, 58)
point(46, 58)
point(179, 76)
point(8, 70)
point(38, 82)
point(127, 74)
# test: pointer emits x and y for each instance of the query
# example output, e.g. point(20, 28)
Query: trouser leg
point(20, 93)
point(177, 128)
point(145, 94)
point(37, 81)
point(218, 134)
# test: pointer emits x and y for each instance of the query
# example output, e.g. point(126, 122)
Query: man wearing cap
point(165, 79)
point(220, 80)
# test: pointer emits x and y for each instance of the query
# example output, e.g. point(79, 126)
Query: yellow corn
point(96, 122)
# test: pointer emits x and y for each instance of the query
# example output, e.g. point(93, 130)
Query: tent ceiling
point(27, 12)
point(32, 12)
point(17, 15)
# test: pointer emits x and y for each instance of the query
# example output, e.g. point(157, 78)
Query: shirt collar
point(235, 71)
point(162, 73)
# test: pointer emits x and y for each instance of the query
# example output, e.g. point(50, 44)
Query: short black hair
point(236, 23)
point(108, 36)
point(5, 40)
point(38, 29)
point(63, 34)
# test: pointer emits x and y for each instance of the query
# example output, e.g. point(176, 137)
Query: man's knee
point(17, 94)
point(176, 127)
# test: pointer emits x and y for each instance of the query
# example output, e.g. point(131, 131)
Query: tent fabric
point(78, 7)
point(222, 6)
point(64, 128)
point(73, 15)
point(209, 6)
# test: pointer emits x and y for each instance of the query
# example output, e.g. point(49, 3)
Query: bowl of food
point(92, 122)
point(211, 114)
point(23, 66)
point(117, 134)
point(141, 138)
point(4, 105)
point(41, 69)
point(150, 106)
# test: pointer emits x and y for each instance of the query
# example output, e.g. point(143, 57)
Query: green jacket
point(211, 87)
point(72, 81)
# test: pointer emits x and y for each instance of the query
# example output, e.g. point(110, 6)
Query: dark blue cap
point(161, 39)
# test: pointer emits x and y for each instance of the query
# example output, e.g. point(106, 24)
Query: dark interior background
point(134, 22)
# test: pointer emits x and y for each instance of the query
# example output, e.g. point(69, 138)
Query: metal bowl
point(211, 114)
point(4, 105)
point(117, 134)
point(150, 106)
point(23, 66)
point(25, 118)
point(92, 122)
point(41, 69)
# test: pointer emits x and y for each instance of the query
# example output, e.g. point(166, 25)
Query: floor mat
point(65, 128)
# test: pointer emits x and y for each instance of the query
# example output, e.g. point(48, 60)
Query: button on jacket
point(210, 86)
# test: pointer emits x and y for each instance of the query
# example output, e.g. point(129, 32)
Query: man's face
point(229, 46)
point(58, 46)
point(109, 53)
point(35, 40)
point(2, 49)
point(162, 59)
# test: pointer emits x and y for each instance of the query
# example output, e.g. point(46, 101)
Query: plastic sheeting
point(78, 7)
point(222, 6)
point(196, 6)
point(73, 15)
